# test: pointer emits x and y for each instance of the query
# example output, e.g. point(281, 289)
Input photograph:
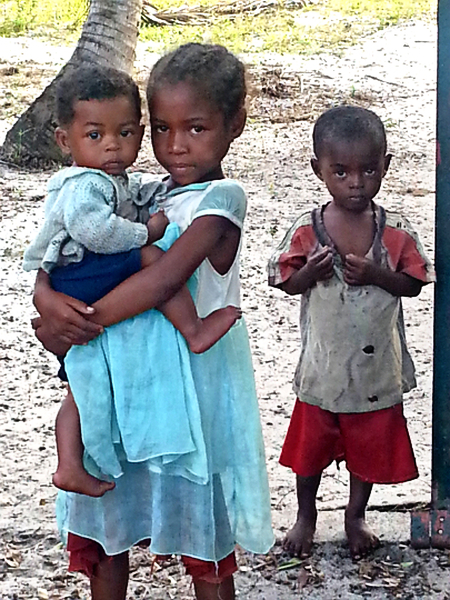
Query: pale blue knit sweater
point(81, 213)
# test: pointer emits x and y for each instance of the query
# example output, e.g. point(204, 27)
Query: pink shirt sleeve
point(292, 254)
point(406, 254)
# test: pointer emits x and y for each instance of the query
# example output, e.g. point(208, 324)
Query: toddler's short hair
point(217, 73)
point(348, 123)
point(93, 83)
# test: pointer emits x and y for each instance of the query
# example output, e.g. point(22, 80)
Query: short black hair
point(348, 123)
point(93, 82)
point(214, 70)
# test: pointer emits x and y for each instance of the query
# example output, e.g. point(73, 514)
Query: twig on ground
point(197, 15)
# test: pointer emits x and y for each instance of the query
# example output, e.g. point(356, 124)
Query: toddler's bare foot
point(299, 539)
point(361, 539)
point(78, 480)
point(210, 329)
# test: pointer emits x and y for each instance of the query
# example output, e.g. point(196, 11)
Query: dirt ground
point(392, 72)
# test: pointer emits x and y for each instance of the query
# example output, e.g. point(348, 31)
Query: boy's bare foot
point(210, 329)
point(78, 480)
point(361, 539)
point(299, 539)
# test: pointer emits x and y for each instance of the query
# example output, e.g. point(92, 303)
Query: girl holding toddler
point(87, 247)
point(196, 97)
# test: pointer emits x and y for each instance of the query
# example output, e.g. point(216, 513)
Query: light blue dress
point(118, 386)
point(206, 515)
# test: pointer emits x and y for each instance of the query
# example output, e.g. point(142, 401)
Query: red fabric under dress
point(86, 554)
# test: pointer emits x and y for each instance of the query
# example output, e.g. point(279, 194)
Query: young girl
point(351, 260)
point(196, 99)
point(88, 248)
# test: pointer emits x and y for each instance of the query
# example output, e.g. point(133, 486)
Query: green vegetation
point(40, 16)
point(324, 25)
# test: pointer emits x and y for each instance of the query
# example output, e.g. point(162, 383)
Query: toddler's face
point(352, 172)
point(189, 134)
point(104, 134)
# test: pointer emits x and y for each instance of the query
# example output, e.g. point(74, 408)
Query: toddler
point(352, 261)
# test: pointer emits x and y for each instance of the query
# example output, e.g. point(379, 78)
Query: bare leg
point(180, 310)
point(110, 579)
point(299, 539)
point(361, 538)
point(70, 474)
point(214, 591)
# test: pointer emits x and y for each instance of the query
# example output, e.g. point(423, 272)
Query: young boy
point(351, 260)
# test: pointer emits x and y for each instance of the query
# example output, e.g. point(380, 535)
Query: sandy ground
point(392, 72)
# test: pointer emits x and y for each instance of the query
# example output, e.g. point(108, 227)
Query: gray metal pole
point(433, 527)
point(441, 382)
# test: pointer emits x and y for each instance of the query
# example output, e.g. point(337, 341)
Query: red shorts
point(375, 446)
point(85, 555)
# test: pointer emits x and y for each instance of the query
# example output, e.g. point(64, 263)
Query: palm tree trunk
point(109, 37)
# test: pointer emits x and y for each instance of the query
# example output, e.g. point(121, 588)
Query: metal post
point(434, 527)
point(441, 385)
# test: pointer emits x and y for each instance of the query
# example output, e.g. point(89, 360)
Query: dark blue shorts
point(94, 277)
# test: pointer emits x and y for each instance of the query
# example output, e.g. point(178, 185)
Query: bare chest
point(351, 237)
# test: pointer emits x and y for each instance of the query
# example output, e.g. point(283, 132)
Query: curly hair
point(217, 73)
point(93, 83)
point(348, 123)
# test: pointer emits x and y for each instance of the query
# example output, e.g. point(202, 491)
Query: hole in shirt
point(369, 349)
point(372, 398)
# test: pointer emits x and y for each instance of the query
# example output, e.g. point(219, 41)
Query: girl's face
point(189, 134)
point(104, 134)
point(352, 172)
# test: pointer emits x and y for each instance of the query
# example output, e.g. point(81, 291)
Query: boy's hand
point(156, 226)
point(320, 266)
point(359, 270)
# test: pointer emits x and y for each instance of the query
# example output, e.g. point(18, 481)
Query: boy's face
point(189, 134)
point(104, 134)
point(352, 172)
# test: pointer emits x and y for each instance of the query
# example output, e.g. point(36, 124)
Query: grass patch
point(328, 25)
point(25, 16)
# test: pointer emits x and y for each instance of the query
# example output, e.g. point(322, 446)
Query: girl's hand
point(319, 266)
point(64, 321)
point(359, 270)
point(46, 338)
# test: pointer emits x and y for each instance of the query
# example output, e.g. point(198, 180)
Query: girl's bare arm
point(156, 284)
point(76, 324)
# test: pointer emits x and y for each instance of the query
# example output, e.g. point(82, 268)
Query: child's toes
point(361, 539)
point(299, 539)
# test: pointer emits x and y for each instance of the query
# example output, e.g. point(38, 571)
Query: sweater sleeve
point(90, 218)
